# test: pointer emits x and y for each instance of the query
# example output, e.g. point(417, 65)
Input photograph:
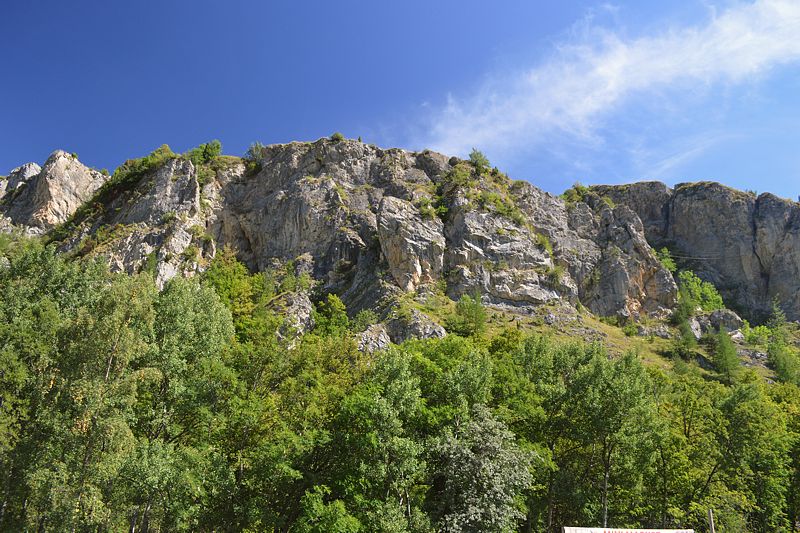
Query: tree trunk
point(134, 521)
point(605, 498)
point(6, 490)
point(550, 503)
point(146, 516)
point(607, 451)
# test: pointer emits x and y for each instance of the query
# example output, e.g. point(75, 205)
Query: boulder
point(725, 318)
point(413, 325)
point(374, 339)
point(660, 331)
point(297, 310)
point(696, 328)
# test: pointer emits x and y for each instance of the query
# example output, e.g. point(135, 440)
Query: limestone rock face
point(605, 252)
point(17, 177)
point(714, 226)
point(306, 199)
point(629, 277)
point(648, 199)
point(413, 247)
point(367, 223)
point(45, 199)
point(747, 246)
point(159, 223)
point(371, 224)
point(498, 258)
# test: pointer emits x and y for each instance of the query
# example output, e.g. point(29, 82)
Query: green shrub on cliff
point(479, 161)
point(702, 293)
point(205, 153)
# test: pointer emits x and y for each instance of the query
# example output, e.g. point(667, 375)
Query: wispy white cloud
point(664, 160)
point(598, 70)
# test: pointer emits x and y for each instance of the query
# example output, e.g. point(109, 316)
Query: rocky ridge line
point(369, 224)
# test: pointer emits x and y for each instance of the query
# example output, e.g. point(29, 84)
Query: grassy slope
point(653, 351)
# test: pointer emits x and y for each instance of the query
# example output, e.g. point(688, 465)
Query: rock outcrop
point(297, 310)
point(633, 277)
point(748, 246)
point(156, 223)
point(413, 247)
point(38, 199)
point(413, 325)
point(373, 339)
point(367, 223)
point(18, 177)
point(725, 319)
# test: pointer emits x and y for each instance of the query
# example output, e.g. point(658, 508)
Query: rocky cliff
point(375, 225)
point(40, 198)
point(746, 245)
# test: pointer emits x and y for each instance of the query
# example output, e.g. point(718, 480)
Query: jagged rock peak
point(18, 176)
point(38, 199)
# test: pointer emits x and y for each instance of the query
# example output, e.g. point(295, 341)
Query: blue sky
point(552, 92)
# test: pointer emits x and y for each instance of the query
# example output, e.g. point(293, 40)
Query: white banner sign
point(616, 530)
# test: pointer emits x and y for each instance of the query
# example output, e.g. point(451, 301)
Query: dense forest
point(192, 408)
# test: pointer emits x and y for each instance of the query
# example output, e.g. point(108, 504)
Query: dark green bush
point(364, 319)
point(330, 316)
point(479, 161)
point(726, 361)
point(253, 157)
point(577, 193)
point(205, 153)
point(469, 318)
point(630, 329)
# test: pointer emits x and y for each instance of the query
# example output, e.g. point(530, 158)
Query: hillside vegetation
point(194, 408)
point(330, 336)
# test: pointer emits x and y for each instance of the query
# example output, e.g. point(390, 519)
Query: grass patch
point(544, 243)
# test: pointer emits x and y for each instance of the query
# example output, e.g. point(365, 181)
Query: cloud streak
point(666, 159)
point(572, 92)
